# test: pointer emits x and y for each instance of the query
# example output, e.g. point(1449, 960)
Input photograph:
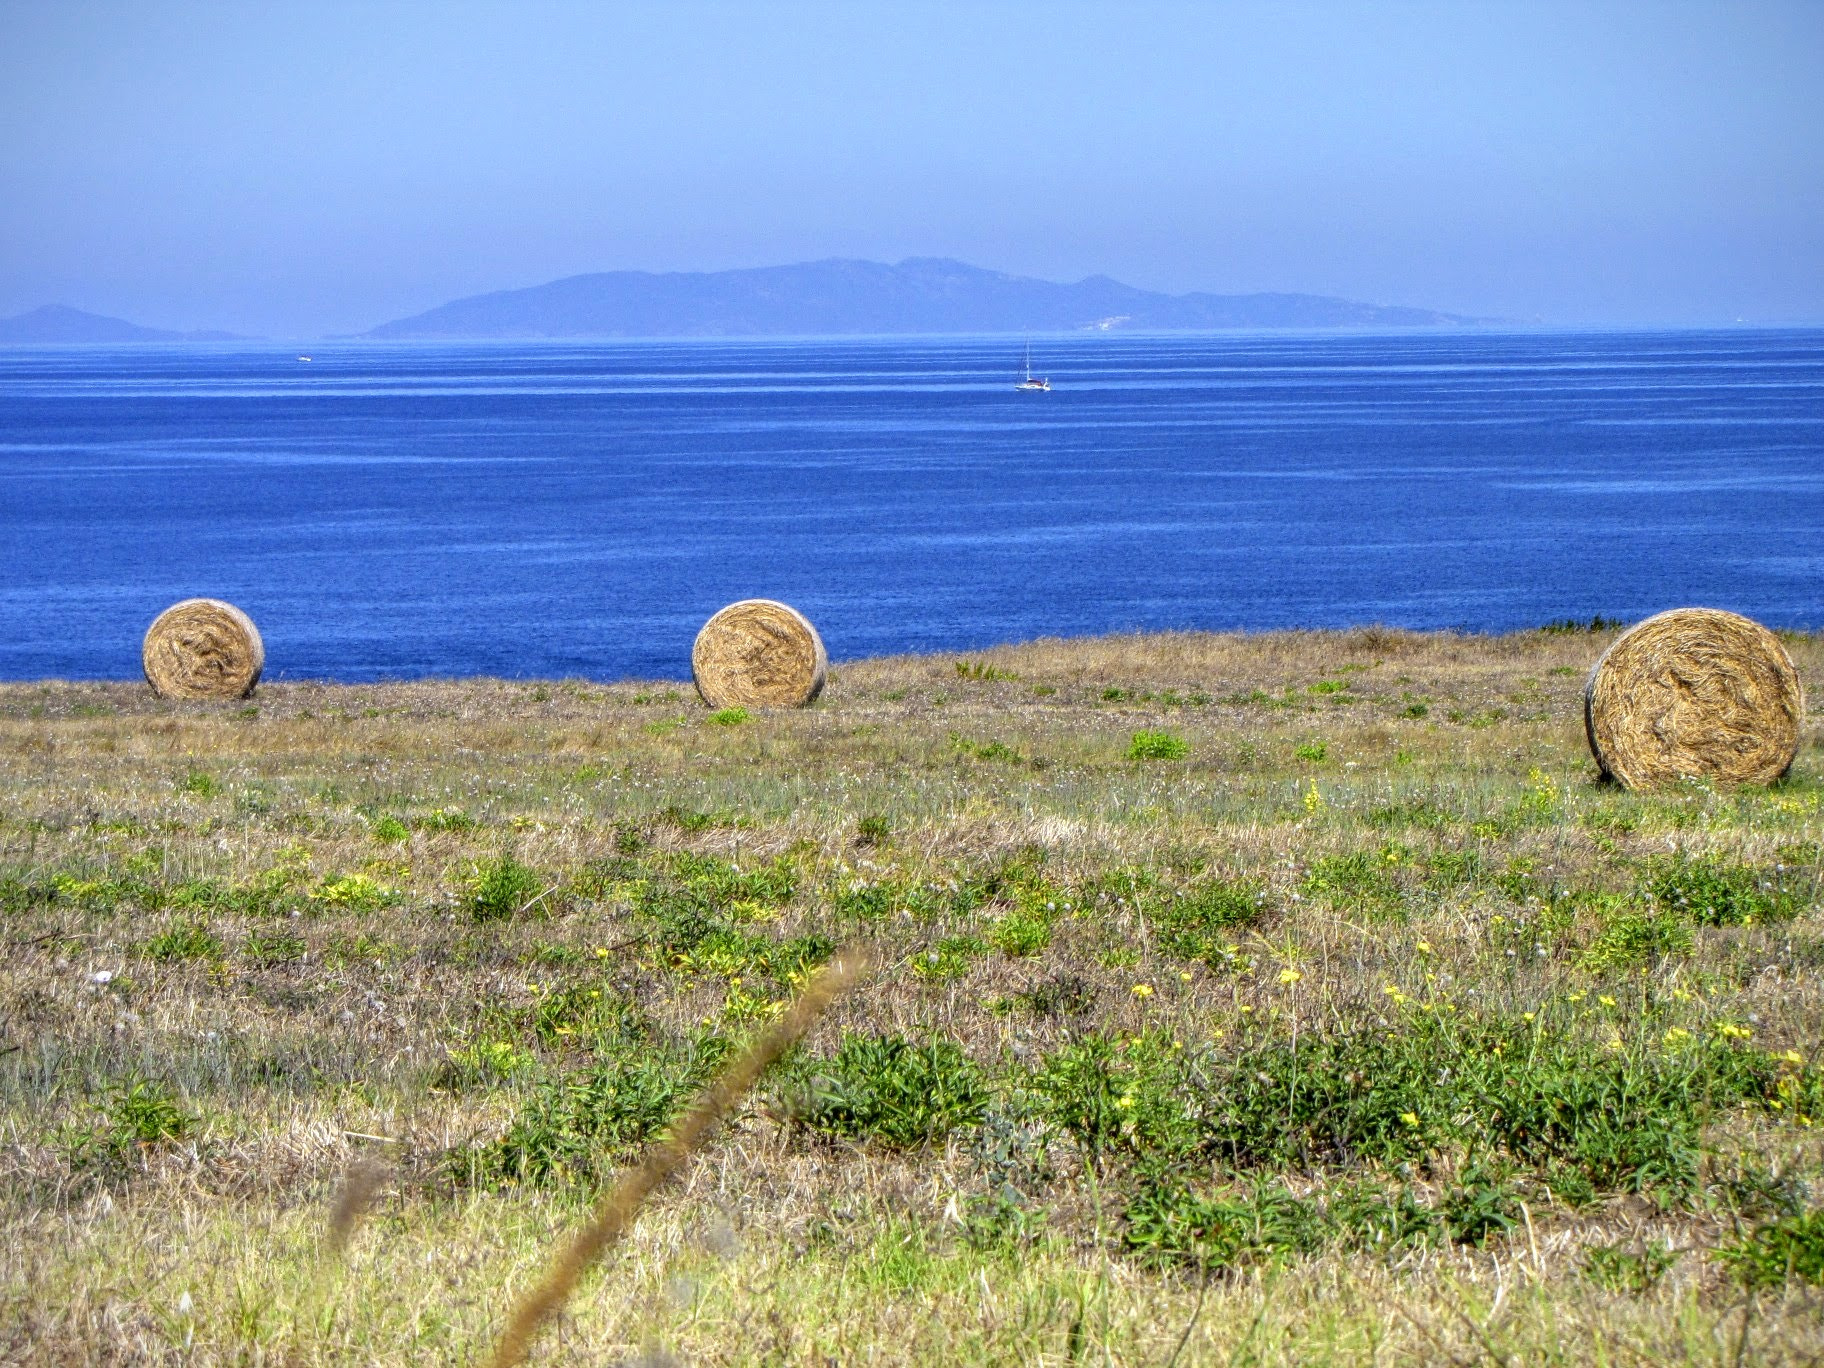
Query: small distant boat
point(303, 358)
point(1031, 381)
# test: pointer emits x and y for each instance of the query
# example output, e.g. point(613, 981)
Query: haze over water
point(579, 510)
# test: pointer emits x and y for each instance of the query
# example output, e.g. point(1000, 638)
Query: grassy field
point(1277, 999)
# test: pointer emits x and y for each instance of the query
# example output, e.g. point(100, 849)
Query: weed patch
point(893, 1091)
point(982, 670)
point(576, 1127)
point(501, 888)
point(1632, 1272)
point(1714, 892)
point(949, 959)
point(1360, 881)
point(1197, 923)
point(185, 940)
point(1157, 745)
point(269, 949)
point(1792, 1247)
point(391, 830)
point(137, 1114)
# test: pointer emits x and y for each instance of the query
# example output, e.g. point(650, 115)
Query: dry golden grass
point(153, 855)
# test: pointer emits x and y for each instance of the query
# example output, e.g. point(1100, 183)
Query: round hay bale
point(1694, 693)
point(203, 648)
point(758, 654)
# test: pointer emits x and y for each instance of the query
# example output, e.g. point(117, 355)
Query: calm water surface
point(545, 510)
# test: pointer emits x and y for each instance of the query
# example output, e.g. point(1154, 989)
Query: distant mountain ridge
point(60, 323)
point(840, 296)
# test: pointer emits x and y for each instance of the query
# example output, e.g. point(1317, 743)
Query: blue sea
point(407, 510)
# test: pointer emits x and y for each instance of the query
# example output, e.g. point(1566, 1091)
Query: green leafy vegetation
point(185, 940)
point(500, 888)
point(893, 1091)
point(1157, 745)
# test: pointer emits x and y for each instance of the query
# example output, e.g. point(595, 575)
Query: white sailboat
point(1031, 381)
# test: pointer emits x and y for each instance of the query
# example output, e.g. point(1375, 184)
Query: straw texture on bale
point(758, 654)
point(203, 648)
point(1695, 693)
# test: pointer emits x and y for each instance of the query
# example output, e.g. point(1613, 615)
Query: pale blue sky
point(304, 168)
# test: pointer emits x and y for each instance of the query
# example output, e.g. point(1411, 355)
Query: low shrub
point(1195, 923)
point(982, 670)
point(391, 830)
point(445, 819)
point(185, 940)
point(893, 1091)
point(1714, 892)
point(1359, 881)
point(1634, 938)
point(268, 949)
point(1418, 813)
point(356, 893)
point(501, 888)
point(135, 1114)
point(1022, 932)
point(199, 784)
point(950, 958)
point(1133, 1099)
point(1157, 745)
point(575, 1127)
point(1058, 995)
point(1630, 1271)
point(1770, 1254)
point(1168, 1222)
point(1503, 1097)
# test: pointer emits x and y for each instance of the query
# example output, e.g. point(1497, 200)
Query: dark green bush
point(23, 892)
point(1791, 1247)
point(1360, 881)
point(392, 830)
point(1631, 1271)
point(1196, 923)
point(266, 949)
point(502, 888)
point(1637, 937)
point(1494, 1094)
point(135, 1114)
point(184, 940)
point(1136, 1098)
point(1157, 745)
point(1410, 812)
point(575, 1128)
point(1713, 892)
point(1168, 1222)
point(893, 1091)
